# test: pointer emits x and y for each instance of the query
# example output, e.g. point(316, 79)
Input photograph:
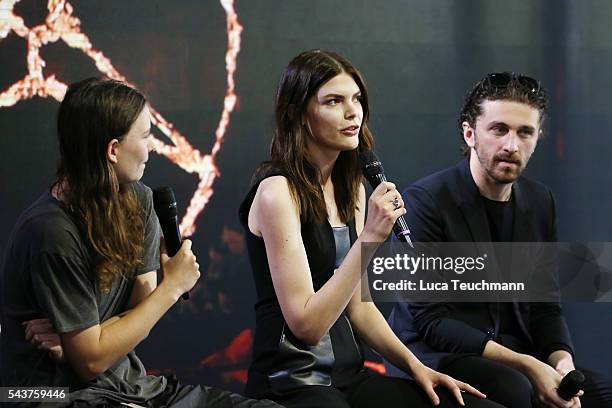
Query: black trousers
point(371, 390)
point(512, 389)
point(182, 396)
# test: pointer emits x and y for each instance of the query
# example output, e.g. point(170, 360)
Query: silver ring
point(396, 203)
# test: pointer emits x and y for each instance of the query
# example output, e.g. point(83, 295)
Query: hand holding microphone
point(375, 174)
point(571, 385)
point(551, 389)
point(384, 207)
point(175, 253)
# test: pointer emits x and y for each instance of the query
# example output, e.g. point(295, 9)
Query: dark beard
point(508, 176)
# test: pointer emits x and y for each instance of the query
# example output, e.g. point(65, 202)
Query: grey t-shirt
point(48, 272)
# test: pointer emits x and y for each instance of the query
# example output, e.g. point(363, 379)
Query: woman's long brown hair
point(302, 78)
point(94, 112)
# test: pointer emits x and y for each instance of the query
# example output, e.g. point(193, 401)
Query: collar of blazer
point(472, 207)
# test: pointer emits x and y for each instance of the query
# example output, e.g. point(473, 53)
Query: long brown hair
point(300, 81)
point(94, 112)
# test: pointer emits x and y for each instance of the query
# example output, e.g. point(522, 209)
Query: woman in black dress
point(305, 221)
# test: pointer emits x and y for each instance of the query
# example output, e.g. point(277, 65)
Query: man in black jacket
point(516, 353)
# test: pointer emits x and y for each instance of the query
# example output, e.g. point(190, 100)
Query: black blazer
point(447, 207)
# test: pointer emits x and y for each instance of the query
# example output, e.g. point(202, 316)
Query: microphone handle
point(400, 227)
point(401, 230)
point(173, 241)
point(377, 179)
point(172, 236)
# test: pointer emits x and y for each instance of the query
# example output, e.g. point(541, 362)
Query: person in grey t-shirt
point(79, 283)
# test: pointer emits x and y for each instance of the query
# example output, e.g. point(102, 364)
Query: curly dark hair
point(507, 86)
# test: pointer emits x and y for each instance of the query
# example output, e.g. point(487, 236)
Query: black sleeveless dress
point(281, 362)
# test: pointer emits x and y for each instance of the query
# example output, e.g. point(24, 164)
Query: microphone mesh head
point(570, 384)
point(576, 376)
point(370, 165)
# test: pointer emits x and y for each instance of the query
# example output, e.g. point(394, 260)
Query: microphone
point(165, 208)
point(570, 385)
point(373, 171)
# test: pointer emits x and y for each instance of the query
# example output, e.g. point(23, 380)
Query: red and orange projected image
point(61, 24)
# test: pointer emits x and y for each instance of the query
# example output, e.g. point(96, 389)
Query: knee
point(512, 388)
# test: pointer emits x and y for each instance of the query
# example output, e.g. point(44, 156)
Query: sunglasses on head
point(504, 79)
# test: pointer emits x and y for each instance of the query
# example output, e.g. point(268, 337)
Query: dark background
point(418, 57)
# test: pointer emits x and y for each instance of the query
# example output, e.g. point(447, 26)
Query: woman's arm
point(370, 324)
point(40, 332)
point(144, 285)
point(373, 329)
point(92, 350)
point(275, 218)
